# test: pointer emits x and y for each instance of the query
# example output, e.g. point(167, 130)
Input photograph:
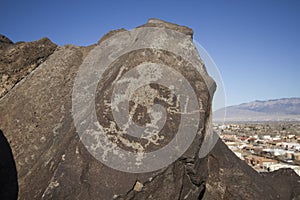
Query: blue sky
point(255, 44)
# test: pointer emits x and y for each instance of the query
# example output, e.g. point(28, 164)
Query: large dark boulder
point(57, 125)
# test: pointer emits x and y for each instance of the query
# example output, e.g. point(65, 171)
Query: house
point(259, 161)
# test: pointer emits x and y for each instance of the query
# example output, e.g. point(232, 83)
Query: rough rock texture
point(278, 179)
point(163, 24)
point(231, 178)
point(18, 60)
point(52, 162)
point(5, 40)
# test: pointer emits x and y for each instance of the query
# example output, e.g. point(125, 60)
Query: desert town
point(265, 147)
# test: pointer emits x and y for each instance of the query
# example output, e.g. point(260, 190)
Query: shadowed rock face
point(8, 173)
point(5, 40)
point(52, 161)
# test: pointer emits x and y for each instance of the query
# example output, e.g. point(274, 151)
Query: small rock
point(43, 139)
point(4, 77)
point(138, 186)
point(4, 39)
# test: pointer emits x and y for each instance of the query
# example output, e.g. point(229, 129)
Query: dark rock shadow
point(8, 171)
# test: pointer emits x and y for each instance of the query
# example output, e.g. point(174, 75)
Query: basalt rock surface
point(54, 162)
point(20, 59)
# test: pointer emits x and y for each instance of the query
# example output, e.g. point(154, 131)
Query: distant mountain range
point(285, 109)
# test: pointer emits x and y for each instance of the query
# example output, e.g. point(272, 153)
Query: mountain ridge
point(282, 109)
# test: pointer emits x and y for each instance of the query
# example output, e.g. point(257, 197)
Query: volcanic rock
point(49, 119)
point(18, 60)
point(5, 40)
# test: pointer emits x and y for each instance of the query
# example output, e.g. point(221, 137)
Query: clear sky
point(255, 44)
